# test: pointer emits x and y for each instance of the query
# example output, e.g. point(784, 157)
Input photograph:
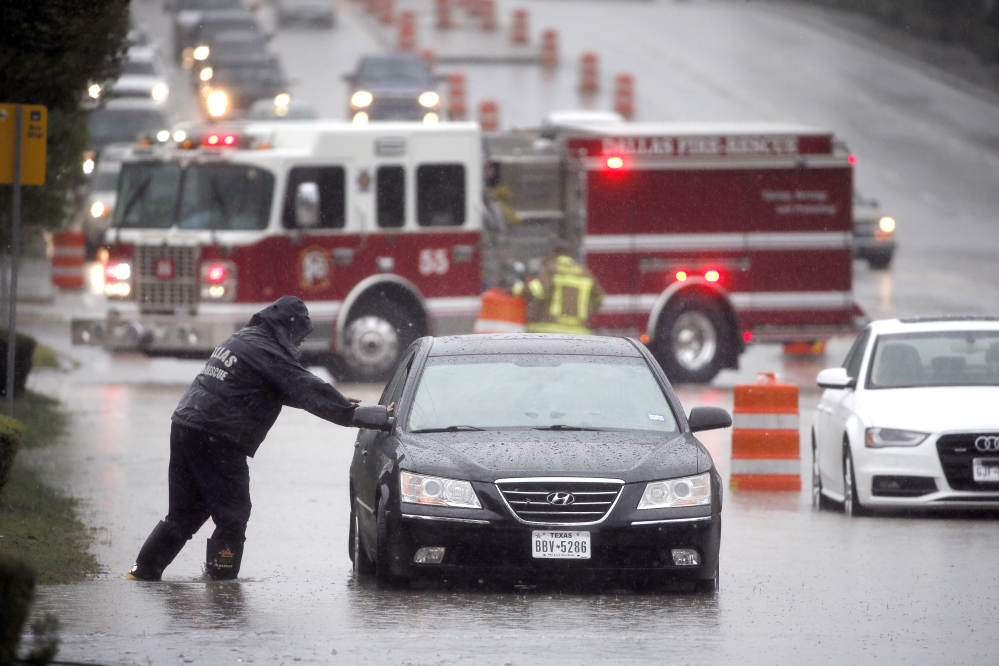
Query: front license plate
point(560, 545)
point(986, 469)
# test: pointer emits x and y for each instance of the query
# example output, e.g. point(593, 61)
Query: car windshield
point(539, 391)
point(125, 125)
point(392, 69)
point(138, 68)
point(953, 358)
point(106, 181)
point(202, 196)
point(262, 74)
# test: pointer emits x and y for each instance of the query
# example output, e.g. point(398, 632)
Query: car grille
point(529, 499)
point(166, 294)
point(956, 454)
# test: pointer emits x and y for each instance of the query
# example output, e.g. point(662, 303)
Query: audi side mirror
point(835, 378)
point(307, 205)
point(708, 418)
point(373, 417)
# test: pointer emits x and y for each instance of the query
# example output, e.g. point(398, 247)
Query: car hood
point(394, 89)
point(490, 455)
point(936, 409)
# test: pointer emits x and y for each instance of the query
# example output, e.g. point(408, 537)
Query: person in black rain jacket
point(222, 418)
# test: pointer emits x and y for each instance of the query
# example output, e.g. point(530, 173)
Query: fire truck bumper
point(152, 333)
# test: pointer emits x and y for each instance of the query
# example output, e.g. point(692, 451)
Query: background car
point(280, 109)
point(873, 233)
point(196, 43)
point(398, 86)
point(126, 121)
point(312, 12)
point(142, 77)
point(535, 456)
point(235, 85)
point(99, 207)
point(910, 420)
point(229, 47)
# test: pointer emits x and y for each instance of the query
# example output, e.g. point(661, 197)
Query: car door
point(834, 409)
point(370, 446)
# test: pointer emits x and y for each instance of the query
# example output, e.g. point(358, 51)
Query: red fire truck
point(704, 237)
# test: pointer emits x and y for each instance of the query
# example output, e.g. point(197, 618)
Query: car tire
point(879, 261)
point(692, 339)
point(819, 501)
point(710, 585)
point(358, 555)
point(375, 339)
point(383, 569)
point(851, 504)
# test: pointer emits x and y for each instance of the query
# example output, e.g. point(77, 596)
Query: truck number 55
point(434, 262)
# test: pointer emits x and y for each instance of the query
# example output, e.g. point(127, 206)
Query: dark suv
point(393, 87)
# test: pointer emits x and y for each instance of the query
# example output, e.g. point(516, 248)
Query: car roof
point(532, 343)
point(930, 324)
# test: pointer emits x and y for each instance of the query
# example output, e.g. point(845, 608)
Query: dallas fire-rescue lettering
point(226, 357)
point(692, 146)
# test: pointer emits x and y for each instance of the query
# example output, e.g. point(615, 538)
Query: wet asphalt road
point(797, 585)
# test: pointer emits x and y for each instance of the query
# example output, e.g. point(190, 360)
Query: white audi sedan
point(912, 418)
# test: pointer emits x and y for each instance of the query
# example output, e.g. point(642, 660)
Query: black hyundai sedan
point(534, 457)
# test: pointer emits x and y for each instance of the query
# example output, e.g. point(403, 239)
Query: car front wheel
point(383, 566)
point(362, 563)
point(851, 504)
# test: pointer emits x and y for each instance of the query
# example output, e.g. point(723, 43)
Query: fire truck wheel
point(373, 345)
point(692, 339)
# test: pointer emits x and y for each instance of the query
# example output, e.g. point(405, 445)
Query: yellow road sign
point(34, 130)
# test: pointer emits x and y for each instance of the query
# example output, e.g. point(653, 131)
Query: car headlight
point(99, 209)
point(206, 74)
point(201, 53)
point(420, 489)
point(429, 99)
point(160, 92)
point(218, 103)
point(282, 99)
point(361, 99)
point(887, 224)
point(94, 90)
point(686, 491)
point(876, 438)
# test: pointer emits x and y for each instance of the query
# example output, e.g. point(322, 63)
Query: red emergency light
point(852, 159)
point(615, 162)
point(712, 275)
point(220, 140)
point(681, 276)
point(216, 273)
point(747, 336)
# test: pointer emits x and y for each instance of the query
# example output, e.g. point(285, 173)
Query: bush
point(24, 352)
point(10, 442)
point(17, 586)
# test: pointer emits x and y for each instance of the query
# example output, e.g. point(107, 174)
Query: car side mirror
point(835, 378)
point(373, 417)
point(708, 418)
point(307, 205)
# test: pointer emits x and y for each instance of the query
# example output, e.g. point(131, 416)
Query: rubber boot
point(222, 559)
point(162, 545)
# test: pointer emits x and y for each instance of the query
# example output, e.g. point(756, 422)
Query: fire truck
point(705, 237)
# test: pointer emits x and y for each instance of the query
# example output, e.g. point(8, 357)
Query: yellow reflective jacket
point(562, 298)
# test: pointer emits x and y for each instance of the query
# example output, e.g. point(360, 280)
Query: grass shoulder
point(38, 523)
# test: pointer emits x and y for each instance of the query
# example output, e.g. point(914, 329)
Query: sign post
point(22, 162)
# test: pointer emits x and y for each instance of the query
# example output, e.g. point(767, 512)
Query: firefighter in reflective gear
point(562, 298)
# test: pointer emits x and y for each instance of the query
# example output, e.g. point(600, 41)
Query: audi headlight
point(429, 99)
point(420, 489)
point(876, 438)
point(686, 491)
point(361, 99)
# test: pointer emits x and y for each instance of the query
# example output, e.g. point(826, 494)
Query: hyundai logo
point(560, 499)
point(983, 444)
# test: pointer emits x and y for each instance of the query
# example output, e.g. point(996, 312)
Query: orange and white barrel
point(765, 438)
point(588, 74)
point(810, 348)
point(501, 313)
point(444, 15)
point(549, 48)
point(487, 12)
point(624, 95)
point(67, 262)
point(385, 13)
point(518, 33)
point(457, 106)
point(489, 115)
point(407, 31)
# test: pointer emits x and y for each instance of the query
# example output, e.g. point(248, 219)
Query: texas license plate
point(986, 469)
point(560, 545)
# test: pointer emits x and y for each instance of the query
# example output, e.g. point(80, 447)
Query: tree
point(51, 51)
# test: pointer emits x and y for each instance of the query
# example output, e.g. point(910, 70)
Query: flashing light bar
point(615, 162)
point(216, 273)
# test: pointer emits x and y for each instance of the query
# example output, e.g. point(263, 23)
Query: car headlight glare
point(361, 99)
point(98, 209)
point(218, 103)
point(876, 438)
point(887, 224)
point(160, 92)
point(179, 136)
point(206, 74)
point(686, 491)
point(420, 489)
point(94, 90)
point(429, 99)
point(201, 53)
point(282, 99)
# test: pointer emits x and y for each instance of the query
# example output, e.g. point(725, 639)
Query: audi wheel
point(851, 504)
point(818, 499)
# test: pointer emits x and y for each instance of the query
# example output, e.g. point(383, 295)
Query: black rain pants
point(208, 477)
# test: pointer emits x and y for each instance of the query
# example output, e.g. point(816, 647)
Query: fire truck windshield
point(160, 195)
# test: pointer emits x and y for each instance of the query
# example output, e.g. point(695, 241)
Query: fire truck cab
point(376, 227)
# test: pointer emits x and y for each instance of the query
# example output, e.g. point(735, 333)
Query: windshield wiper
point(560, 426)
point(140, 190)
point(453, 428)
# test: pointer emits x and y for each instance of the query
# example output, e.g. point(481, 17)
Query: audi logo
point(986, 443)
point(560, 499)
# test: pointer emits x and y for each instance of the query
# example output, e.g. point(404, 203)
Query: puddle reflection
point(208, 605)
